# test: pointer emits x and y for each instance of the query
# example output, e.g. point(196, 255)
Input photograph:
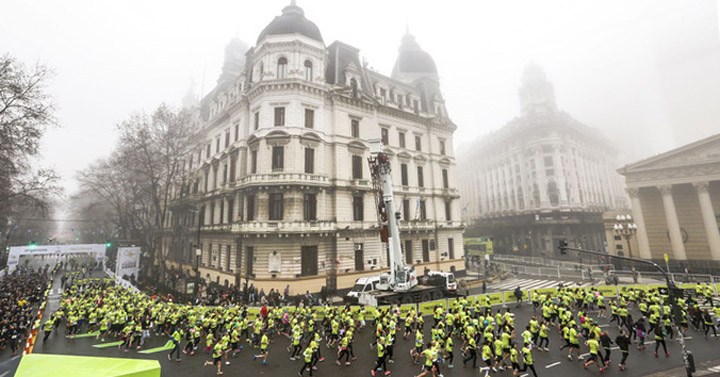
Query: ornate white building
point(542, 177)
point(280, 176)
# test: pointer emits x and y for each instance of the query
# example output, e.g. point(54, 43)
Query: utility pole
point(673, 292)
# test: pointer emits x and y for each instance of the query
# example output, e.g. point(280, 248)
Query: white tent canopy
point(17, 251)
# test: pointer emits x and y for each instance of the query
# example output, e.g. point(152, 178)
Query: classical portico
point(675, 200)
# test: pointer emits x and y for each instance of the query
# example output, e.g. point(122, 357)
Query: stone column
point(673, 224)
point(708, 214)
point(639, 218)
point(541, 179)
point(574, 178)
point(560, 174)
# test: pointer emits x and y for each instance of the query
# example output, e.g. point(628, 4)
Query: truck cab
point(362, 285)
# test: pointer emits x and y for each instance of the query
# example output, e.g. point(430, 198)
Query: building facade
point(280, 183)
point(675, 198)
point(542, 177)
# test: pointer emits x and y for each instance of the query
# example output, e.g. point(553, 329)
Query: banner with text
point(98, 250)
point(128, 261)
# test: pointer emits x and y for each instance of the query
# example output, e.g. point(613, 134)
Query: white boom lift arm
point(401, 277)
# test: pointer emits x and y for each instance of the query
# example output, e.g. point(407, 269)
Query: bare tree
point(25, 111)
point(137, 182)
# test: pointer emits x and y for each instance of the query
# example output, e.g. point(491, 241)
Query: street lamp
point(198, 254)
point(626, 228)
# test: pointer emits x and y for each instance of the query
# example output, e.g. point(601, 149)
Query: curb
point(30, 344)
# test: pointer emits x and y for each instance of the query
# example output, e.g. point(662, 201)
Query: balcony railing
point(417, 224)
point(217, 227)
point(285, 178)
point(285, 226)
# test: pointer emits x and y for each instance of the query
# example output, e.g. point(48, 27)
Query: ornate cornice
point(665, 189)
point(701, 186)
point(633, 192)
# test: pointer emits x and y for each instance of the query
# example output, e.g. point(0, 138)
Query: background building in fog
point(675, 198)
point(542, 177)
point(280, 175)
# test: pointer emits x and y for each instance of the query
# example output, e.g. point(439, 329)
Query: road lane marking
point(552, 365)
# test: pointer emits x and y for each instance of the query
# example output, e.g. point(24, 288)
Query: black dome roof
point(413, 59)
point(291, 21)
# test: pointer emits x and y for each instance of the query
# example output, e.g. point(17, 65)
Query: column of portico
point(639, 218)
point(708, 214)
point(676, 241)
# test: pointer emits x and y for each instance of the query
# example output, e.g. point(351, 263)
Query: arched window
point(282, 68)
point(354, 86)
point(308, 70)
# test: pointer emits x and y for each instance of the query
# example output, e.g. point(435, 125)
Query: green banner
point(254, 313)
point(543, 291)
point(426, 308)
point(510, 296)
point(607, 290)
point(34, 365)
point(404, 309)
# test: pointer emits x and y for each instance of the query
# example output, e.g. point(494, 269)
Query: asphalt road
point(640, 363)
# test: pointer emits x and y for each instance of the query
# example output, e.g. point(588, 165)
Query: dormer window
point(282, 68)
point(308, 70)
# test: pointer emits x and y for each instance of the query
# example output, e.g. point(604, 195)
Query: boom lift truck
point(400, 284)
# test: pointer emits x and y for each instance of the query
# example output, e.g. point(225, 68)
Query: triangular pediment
point(701, 152)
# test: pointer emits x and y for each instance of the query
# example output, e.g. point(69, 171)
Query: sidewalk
point(702, 369)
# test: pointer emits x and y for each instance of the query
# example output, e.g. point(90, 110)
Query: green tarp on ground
point(36, 365)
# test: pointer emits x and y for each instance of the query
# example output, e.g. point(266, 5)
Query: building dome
point(533, 73)
point(291, 21)
point(413, 59)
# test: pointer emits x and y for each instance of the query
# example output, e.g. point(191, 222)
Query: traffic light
point(108, 244)
point(33, 243)
point(562, 245)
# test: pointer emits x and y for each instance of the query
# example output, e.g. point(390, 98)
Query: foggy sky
point(643, 72)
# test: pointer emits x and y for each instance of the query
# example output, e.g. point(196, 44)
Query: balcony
point(417, 225)
point(284, 226)
point(284, 178)
point(217, 227)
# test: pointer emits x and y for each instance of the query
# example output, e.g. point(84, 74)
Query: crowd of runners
point(19, 295)
point(470, 330)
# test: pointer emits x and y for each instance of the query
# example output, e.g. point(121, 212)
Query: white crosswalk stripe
point(525, 284)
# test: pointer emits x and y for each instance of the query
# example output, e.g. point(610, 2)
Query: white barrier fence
point(122, 282)
point(553, 263)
